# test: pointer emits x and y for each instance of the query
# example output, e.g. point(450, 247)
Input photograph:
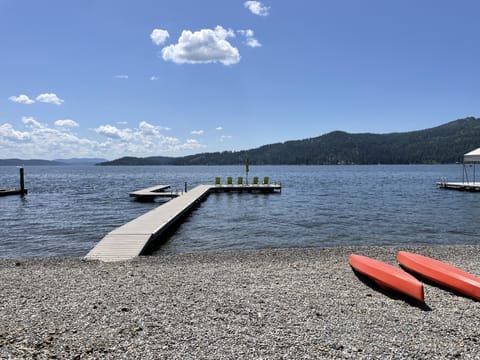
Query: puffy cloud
point(149, 129)
point(113, 132)
point(197, 132)
point(203, 46)
point(145, 139)
point(21, 99)
point(250, 39)
point(49, 98)
point(154, 78)
point(219, 128)
point(159, 36)
point(257, 8)
point(42, 141)
point(7, 132)
point(66, 123)
point(31, 122)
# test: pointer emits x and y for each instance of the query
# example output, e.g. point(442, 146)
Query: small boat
point(387, 276)
point(441, 273)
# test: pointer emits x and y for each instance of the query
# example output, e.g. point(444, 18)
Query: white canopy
point(472, 156)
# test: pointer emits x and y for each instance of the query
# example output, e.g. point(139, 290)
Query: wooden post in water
point(22, 182)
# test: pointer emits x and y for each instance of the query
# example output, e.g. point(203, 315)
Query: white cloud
point(196, 132)
point(113, 132)
point(219, 128)
point(122, 77)
point(9, 133)
point(225, 137)
point(203, 46)
point(32, 123)
point(159, 36)
point(250, 39)
point(21, 99)
point(66, 123)
point(41, 141)
point(49, 98)
point(154, 78)
point(149, 129)
point(257, 8)
point(146, 139)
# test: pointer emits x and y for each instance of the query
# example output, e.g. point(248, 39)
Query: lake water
point(70, 208)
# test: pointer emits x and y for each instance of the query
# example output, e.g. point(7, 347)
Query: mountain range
point(39, 162)
point(439, 145)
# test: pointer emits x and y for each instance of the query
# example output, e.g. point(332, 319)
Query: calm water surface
point(70, 208)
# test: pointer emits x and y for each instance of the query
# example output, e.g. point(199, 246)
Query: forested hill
point(443, 144)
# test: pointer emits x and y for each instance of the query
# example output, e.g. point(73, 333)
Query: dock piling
point(22, 182)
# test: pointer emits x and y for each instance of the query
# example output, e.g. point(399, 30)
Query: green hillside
point(443, 144)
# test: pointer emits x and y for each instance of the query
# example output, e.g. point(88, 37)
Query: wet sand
point(270, 304)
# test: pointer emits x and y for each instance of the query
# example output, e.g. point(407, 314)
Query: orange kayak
point(388, 276)
point(441, 273)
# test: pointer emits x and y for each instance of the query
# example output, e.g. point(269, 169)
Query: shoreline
point(271, 303)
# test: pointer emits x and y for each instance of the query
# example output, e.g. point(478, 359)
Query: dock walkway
point(130, 240)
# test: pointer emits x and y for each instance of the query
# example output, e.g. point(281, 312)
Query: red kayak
point(388, 276)
point(441, 273)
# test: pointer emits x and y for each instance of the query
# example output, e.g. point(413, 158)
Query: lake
point(70, 208)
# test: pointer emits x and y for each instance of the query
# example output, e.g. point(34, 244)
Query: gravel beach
point(265, 304)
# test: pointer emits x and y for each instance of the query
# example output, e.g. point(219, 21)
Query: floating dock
point(6, 192)
point(22, 191)
point(132, 239)
point(462, 186)
point(149, 194)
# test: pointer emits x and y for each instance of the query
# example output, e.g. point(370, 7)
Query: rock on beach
point(262, 304)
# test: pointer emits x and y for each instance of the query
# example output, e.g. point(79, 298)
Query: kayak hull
point(441, 273)
point(387, 276)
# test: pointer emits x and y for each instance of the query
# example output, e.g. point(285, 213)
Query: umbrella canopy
point(472, 156)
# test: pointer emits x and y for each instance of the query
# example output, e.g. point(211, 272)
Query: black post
point(22, 182)
point(185, 186)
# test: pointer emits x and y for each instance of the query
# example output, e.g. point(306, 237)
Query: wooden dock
point(149, 194)
point(22, 191)
point(259, 188)
point(132, 239)
point(6, 192)
point(462, 186)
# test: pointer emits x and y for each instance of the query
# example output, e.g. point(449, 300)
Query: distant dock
point(132, 239)
point(461, 186)
point(6, 192)
point(22, 191)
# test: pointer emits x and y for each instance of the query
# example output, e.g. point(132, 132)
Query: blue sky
point(86, 78)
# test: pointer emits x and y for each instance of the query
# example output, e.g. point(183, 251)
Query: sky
point(91, 78)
